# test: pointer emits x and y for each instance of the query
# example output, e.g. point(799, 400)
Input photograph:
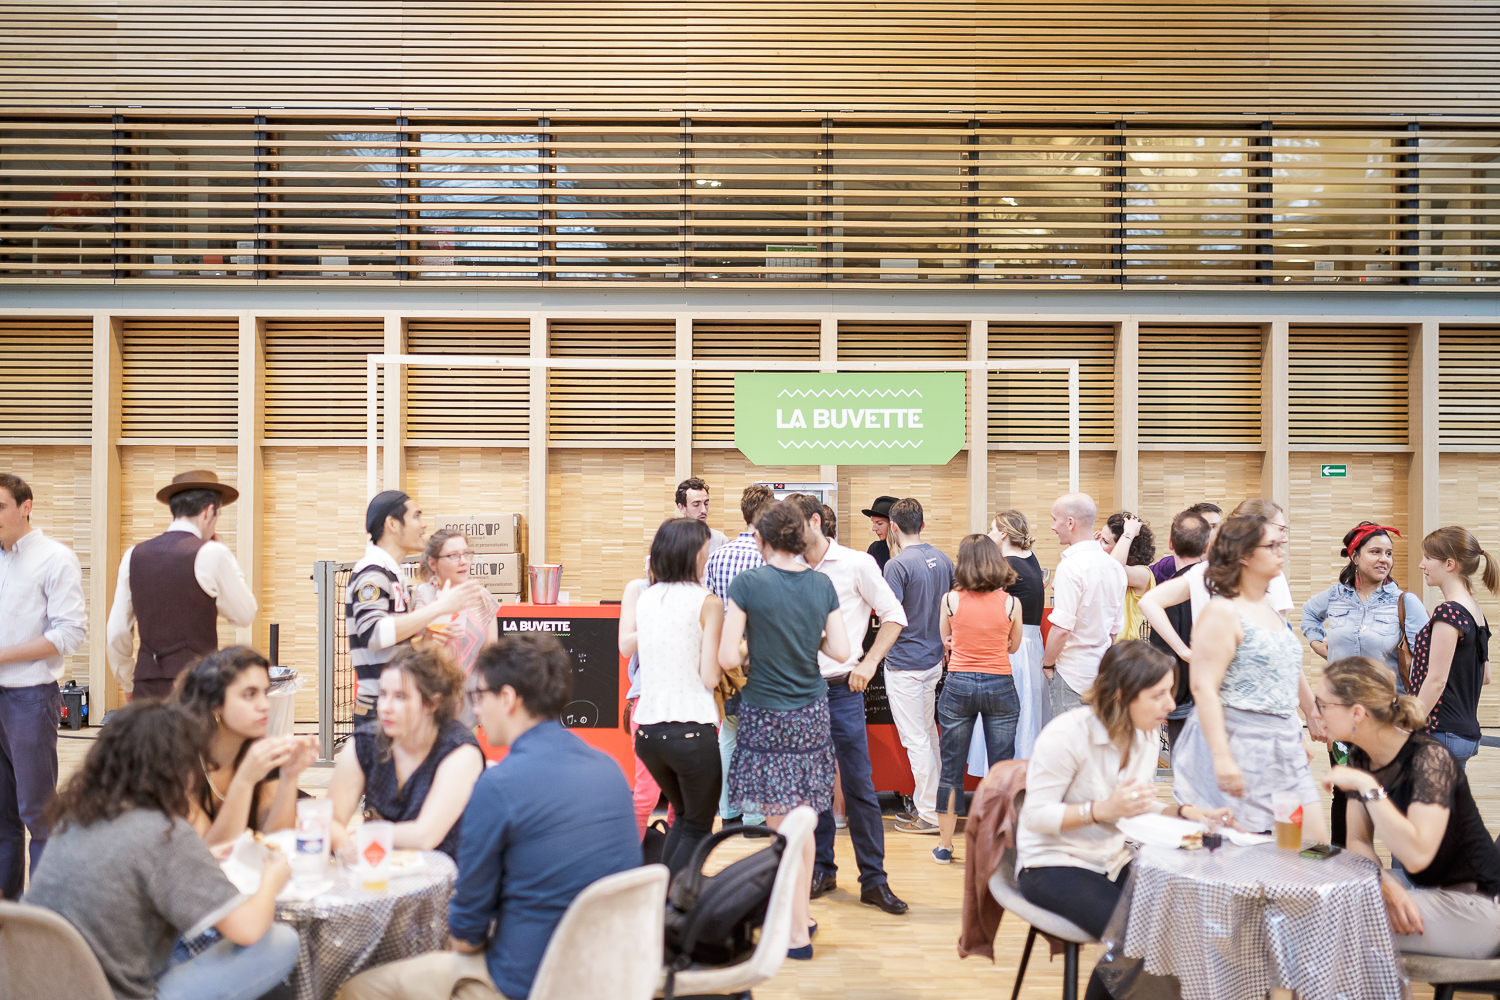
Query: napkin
point(1239, 839)
point(1156, 830)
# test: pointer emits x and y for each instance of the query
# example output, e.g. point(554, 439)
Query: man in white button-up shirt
point(42, 620)
point(1088, 604)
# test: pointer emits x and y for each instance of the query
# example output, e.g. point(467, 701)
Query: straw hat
point(198, 479)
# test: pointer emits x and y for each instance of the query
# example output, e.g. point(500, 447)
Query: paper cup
point(374, 840)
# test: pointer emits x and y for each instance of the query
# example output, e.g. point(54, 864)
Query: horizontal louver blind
point(1469, 387)
point(603, 406)
point(745, 342)
point(1348, 385)
point(1032, 406)
point(315, 378)
point(897, 341)
point(1200, 384)
point(468, 404)
point(180, 378)
point(46, 378)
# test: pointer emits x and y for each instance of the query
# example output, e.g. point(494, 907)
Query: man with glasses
point(543, 824)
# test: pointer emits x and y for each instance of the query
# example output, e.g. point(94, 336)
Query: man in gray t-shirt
point(920, 575)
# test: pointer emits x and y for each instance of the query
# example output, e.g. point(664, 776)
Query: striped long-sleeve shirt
point(375, 596)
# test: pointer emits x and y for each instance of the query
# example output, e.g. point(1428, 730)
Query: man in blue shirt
point(543, 824)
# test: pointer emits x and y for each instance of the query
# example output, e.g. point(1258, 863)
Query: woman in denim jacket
point(1359, 616)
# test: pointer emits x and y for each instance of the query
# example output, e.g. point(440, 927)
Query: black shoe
point(732, 822)
point(881, 895)
point(823, 884)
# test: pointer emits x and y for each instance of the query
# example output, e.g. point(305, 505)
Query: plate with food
point(1156, 830)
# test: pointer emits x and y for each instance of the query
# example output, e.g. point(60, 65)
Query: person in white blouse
point(1092, 766)
point(42, 620)
point(175, 586)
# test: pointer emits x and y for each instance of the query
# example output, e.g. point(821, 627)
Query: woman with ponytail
point(1405, 786)
point(1450, 659)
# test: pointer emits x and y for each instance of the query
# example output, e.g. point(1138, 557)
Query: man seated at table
point(550, 819)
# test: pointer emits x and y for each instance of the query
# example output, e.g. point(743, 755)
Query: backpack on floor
point(712, 919)
point(654, 842)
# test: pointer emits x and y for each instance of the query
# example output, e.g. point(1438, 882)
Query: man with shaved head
point(1088, 603)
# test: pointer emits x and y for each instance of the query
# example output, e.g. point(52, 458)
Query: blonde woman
point(445, 564)
point(1012, 533)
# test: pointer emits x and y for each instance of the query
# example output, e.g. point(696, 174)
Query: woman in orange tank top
point(981, 627)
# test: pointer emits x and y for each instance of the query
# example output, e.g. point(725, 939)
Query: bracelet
point(1180, 806)
point(1374, 794)
point(1084, 808)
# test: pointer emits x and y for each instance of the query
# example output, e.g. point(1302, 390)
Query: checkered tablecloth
point(1232, 924)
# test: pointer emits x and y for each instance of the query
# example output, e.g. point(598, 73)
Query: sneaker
point(917, 825)
point(942, 856)
point(840, 822)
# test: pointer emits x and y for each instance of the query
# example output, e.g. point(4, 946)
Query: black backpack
point(712, 919)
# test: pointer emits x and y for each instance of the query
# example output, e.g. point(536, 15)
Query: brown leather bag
point(1403, 647)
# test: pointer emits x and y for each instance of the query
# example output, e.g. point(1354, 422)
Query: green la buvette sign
point(886, 418)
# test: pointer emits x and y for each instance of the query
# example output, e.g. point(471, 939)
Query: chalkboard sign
point(594, 645)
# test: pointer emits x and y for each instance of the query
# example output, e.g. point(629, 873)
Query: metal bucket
point(544, 582)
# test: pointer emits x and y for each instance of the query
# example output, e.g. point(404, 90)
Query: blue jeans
point(229, 971)
point(1461, 747)
point(28, 777)
point(966, 695)
point(846, 724)
point(729, 739)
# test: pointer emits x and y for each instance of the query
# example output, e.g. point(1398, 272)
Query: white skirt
point(1031, 689)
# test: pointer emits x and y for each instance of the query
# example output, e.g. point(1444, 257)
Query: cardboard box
point(501, 572)
point(486, 532)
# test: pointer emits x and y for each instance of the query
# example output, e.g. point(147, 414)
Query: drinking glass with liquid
point(1286, 808)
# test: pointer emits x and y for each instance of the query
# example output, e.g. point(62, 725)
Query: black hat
point(880, 508)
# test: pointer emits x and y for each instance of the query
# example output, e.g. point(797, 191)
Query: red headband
point(1362, 535)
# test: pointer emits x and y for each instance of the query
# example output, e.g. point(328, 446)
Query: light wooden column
point(682, 438)
point(104, 506)
point(394, 444)
point(249, 537)
point(1422, 513)
point(1128, 416)
point(979, 427)
point(828, 353)
point(536, 506)
point(1276, 413)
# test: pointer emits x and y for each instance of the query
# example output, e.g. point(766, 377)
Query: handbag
point(1403, 646)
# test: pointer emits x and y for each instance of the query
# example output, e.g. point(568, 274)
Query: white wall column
point(979, 427)
point(1127, 416)
point(395, 406)
point(1422, 513)
point(682, 436)
point(104, 507)
point(249, 536)
point(536, 505)
point(1276, 413)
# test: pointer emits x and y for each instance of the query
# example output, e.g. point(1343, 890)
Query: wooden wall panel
point(1348, 385)
point(452, 482)
point(1032, 406)
point(941, 489)
point(1028, 481)
point(727, 472)
point(1470, 496)
point(1172, 481)
point(61, 487)
point(1200, 384)
point(180, 378)
point(46, 373)
point(604, 506)
point(315, 378)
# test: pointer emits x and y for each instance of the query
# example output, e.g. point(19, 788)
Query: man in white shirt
point(175, 587)
point(862, 590)
point(1088, 604)
point(692, 501)
point(42, 620)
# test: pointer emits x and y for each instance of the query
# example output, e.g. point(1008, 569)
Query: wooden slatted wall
point(618, 406)
point(315, 379)
point(475, 406)
point(1114, 55)
point(180, 378)
point(743, 342)
point(1348, 385)
point(1032, 406)
point(46, 378)
point(1468, 379)
point(1028, 481)
point(1200, 384)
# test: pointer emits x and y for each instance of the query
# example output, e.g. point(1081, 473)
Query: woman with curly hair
point(1129, 541)
point(127, 869)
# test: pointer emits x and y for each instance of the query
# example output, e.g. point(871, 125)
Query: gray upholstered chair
point(1454, 975)
point(608, 944)
point(42, 955)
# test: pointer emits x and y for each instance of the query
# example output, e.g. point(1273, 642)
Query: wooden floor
point(863, 954)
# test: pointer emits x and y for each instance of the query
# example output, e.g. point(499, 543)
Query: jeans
point(1461, 747)
point(28, 777)
point(728, 739)
point(683, 757)
point(229, 971)
point(966, 696)
point(846, 723)
point(1064, 698)
point(1077, 894)
point(913, 697)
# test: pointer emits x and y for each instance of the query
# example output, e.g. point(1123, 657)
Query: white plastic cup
point(374, 840)
point(1286, 809)
point(310, 857)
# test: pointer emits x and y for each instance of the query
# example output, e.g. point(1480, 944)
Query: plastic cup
point(310, 858)
point(1286, 809)
point(373, 842)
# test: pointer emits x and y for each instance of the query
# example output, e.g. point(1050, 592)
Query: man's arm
point(872, 588)
point(220, 576)
point(1066, 595)
point(481, 868)
point(120, 640)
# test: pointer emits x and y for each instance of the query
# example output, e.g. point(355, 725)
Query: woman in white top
point(674, 628)
point(1092, 766)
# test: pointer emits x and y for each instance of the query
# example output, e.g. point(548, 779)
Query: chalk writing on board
point(593, 643)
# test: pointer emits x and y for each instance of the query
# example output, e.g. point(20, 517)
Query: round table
point(1236, 922)
point(345, 929)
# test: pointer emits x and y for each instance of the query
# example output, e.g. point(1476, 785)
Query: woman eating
point(125, 867)
point(1012, 533)
point(445, 564)
point(1092, 766)
point(784, 757)
point(249, 780)
point(1129, 540)
point(416, 766)
point(1407, 787)
point(981, 627)
point(1243, 740)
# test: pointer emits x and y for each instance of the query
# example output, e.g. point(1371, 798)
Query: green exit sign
point(1334, 471)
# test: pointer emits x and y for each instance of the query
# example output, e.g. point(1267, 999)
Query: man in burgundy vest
point(174, 587)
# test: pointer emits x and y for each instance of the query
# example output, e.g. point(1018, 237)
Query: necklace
point(206, 777)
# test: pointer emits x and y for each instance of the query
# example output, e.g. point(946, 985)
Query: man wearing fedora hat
point(175, 587)
point(879, 514)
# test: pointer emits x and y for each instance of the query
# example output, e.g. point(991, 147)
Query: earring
point(1353, 728)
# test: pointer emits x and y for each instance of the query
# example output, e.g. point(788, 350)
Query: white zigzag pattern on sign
point(850, 444)
point(849, 392)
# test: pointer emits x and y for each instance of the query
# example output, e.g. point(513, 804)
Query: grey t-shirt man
point(919, 576)
point(132, 886)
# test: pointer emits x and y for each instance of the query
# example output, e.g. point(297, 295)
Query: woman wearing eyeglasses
point(1243, 741)
point(445, 563)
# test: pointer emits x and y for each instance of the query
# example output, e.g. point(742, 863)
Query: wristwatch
point(1378, 792)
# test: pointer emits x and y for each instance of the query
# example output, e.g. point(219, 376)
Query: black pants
point(1339, 827)
point(1084, 897)
point(683, 757)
